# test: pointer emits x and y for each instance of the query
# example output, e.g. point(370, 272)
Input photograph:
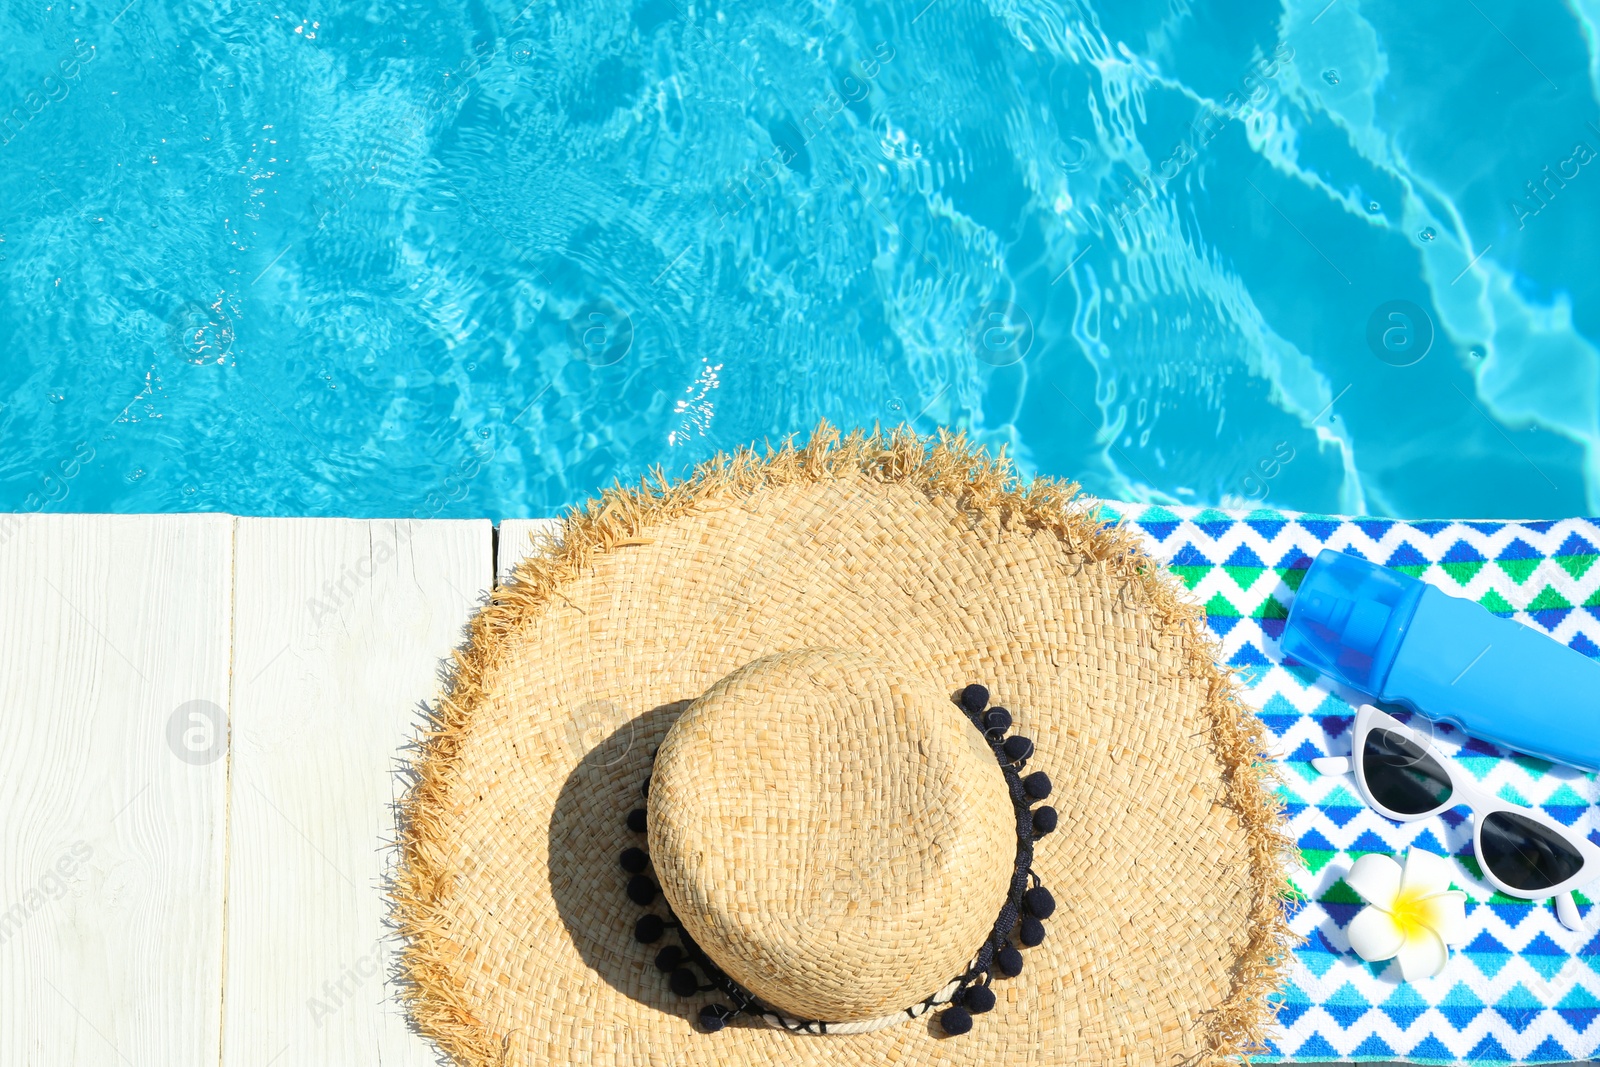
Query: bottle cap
point(1348, 617)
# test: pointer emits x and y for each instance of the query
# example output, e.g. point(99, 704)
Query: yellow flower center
point(1410, 912)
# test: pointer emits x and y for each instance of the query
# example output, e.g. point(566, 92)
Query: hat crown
point(836, 835)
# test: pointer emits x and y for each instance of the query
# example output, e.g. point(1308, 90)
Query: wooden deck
point(175, 892)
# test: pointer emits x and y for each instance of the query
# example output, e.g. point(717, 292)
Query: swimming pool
point(478, 259)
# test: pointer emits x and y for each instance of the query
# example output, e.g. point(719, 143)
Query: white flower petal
point(1422, 956)
point(1425, 873)
point(1374, 936)
point(1447, 916)
point(1376, 877)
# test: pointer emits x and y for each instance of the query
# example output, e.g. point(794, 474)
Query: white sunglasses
point(1522, 851)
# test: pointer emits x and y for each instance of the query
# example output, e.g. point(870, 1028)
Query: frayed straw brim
point(1168, 863)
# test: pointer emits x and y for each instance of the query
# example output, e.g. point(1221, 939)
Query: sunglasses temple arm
point(1567, 911)
point(1332, 765)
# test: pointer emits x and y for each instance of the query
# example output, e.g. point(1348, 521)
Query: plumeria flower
point(1412, 915)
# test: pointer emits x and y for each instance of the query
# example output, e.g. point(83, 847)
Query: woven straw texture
point(1168, 862)
point(837, 836)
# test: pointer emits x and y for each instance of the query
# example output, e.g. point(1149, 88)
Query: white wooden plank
point(341, 630)
point(519, 538)
point(112, 826)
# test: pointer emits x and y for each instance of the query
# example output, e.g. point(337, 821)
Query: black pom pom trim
point(634, 861)
point(955, 1021)
point(978, 999)
point(1039, 902)
point(999, 957)
point(649, 929)
point(683, 982)
point(636, 820)
point(1018, 748)
point(975, 698)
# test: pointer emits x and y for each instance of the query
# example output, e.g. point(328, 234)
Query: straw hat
point(860, 753)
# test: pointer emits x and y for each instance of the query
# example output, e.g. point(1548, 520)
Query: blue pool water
point(478, 258)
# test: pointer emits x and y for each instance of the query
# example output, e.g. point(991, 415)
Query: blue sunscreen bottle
point(1446, 658)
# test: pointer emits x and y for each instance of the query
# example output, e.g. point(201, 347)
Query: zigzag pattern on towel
point(1523, 989)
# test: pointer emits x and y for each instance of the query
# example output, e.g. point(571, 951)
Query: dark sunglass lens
point(1526, 855)
point(1401, 776)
